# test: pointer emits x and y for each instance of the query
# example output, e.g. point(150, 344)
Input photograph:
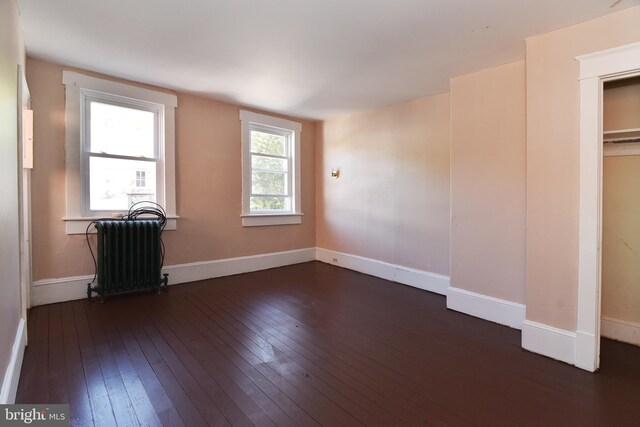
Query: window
point(141, 179)
point(119, 148)
point(270, 170)
point(120, 142)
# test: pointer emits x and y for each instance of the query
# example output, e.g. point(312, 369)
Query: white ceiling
point(308, 58)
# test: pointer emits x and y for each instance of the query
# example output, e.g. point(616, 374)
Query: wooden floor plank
point(57, 367)
point(215, 335)
point(209, 407)
point(101, 409)
point(230, 377)
point(80, 412)
point(287, 373)
point(344, 393)
point(149, 364)
point(308, 344)
point(140, 402)
point(370, 385)
point(137, 373)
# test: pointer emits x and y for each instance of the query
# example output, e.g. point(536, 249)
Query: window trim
point(76, 85)
point(88, 96)
point(251, 219)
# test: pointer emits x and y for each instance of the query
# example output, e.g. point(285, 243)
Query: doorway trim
point(595, 69)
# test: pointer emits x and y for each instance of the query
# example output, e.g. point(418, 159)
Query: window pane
point(270, 204)
point(113, 183)
point(268, 183)
point(268, 143)
point(268, 163)
point(121, 130)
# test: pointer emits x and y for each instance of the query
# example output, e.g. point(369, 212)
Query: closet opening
point(620, 270)
point(596, 70)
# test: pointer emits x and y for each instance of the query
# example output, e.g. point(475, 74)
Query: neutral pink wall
point(488, 182)
point(553, 160)
point(11, 54)
point(391, 201)
point(208, 185)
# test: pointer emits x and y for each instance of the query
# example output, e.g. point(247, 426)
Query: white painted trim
point(74, 99)
point(610, 62)
point(49, 291)
point(549, 341)
point(183, 273)
point(79, 225)
point(12, 373)
point(262, 220)
point(595, 68)
point(620, 330)
point(293, 131)
point(425, 280)
point(71, 78)
point(485, 307)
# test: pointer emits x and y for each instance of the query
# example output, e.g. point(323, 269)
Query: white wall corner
point(12, 373)
point(425, 280)
point(485, 307)
point(548, 341)
point(49, 291)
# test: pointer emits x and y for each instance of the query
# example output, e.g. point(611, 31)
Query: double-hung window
point(271, 170)
point(120, 149)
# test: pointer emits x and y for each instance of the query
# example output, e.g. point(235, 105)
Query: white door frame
point(24, 197)
point(595, 69)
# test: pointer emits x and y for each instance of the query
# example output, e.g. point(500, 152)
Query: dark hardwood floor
point(309, 344)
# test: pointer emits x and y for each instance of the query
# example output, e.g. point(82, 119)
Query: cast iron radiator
point(129, 257)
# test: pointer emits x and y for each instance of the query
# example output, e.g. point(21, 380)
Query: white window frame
point(79, 90)
point(292, 130)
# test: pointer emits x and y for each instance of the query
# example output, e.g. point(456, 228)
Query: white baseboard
point(620, 330)
point(485, 307)
point(425, 280)
point(552, 342)
point(12, 374)
point(49, 291)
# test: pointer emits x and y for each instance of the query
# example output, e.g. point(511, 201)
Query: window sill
point(79, 225)
point(259, 220)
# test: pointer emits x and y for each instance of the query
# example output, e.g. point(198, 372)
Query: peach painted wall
point(621, 238)
point(621, 208)
point(208, 185)
point(488, 182)
point(391, 201)
point(11, 54)
point(621, 104)
point(553, 160)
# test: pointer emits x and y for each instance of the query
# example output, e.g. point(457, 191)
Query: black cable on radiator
point(145, 210)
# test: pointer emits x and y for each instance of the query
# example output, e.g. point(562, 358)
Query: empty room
point(305, 213)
